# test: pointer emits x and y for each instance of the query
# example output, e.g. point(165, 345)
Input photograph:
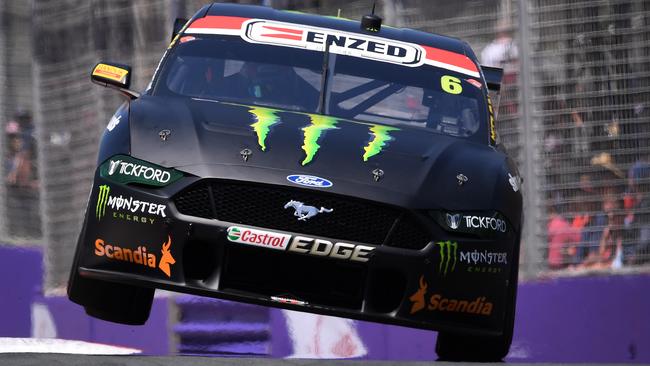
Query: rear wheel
point(457, 347)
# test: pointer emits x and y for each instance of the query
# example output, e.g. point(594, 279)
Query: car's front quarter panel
point(468, 267)
point(116, 138)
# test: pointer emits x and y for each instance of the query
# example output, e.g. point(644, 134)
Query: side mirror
point(179, 23)
point(115, 76)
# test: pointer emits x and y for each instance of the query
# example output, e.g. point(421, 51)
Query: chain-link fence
point(70, 113)
point(574, 112)
point(20, 213)
point(589, 101)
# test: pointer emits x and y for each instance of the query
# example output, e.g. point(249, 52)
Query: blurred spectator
point(22, 210)
point(19, 163)
point(639, 217)
point(502, 52)
point(603, 228)
point(611, 238)
point(562, 237)
point(585, 206)
point(502, 49)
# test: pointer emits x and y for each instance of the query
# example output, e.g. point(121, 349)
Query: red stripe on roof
point(286, 30)
point(218, 21)
point(451, 58)
point(285, 36)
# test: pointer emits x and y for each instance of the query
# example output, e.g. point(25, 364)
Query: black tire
point(467, 348)
point(108, 301)
point(113, 302)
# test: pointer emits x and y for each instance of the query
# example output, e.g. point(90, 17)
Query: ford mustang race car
point(310, 163)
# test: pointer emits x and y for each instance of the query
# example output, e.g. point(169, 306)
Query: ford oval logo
point(309, 181)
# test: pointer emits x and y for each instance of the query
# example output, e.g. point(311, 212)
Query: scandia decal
point(437, 302)
point(140, 256)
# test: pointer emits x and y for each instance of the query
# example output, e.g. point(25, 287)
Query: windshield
point(230, 69)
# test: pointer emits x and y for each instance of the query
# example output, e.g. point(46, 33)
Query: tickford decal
point(265, 118)
point(125, 169)
point(313, 132)
point(380, 138)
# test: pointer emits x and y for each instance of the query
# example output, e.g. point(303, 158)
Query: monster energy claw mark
point(313, 132)
point(102, 199)
point(446, 255)
point(265, 118)
point(380, 137)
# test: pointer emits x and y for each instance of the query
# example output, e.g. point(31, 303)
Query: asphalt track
point(40, 359)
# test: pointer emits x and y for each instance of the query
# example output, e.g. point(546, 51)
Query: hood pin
point(245, 154)
point(377, 174)
point(164, 134)
point(462, 179)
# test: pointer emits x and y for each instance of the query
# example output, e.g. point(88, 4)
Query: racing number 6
point(451, 84)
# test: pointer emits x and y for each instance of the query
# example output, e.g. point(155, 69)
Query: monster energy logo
point(102, 200)
point(448, 251)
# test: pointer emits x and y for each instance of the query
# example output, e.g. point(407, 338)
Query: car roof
point(343, 24)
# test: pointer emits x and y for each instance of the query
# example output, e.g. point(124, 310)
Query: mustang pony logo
point(303, 212)
point(166, 258)
point(418, 297)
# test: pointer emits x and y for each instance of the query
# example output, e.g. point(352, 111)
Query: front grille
point(408, 234)
point(263, 205)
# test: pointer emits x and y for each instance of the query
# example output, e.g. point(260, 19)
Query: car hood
point(208, 139)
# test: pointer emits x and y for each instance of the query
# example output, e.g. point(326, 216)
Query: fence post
point(531, 255)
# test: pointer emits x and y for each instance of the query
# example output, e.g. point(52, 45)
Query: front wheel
point(108, 301)
point(457, 347)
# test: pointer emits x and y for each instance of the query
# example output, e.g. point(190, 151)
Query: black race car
point(310, 163)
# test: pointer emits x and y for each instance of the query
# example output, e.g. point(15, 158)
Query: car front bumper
point(453, 283)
